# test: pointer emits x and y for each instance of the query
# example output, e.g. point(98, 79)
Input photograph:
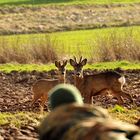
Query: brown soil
point(16, 95)
point(18, 20)
point(13, 133)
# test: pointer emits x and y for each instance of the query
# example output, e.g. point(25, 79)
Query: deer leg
point(115, 94)
point(93, 93)
point(35, 98)
point(128, 96)
point(118, 96)
point(91, 98)
point(120, 100)
point(43, 100)
point(86, 95)
point(105, 91)
point(101, 92)
point(87, 100)
point(33, 101)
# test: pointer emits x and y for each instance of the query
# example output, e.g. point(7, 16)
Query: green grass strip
point(19, 119)
point(7, 68)
point(63, 2)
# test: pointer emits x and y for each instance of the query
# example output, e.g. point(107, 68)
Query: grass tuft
point(37, 50)
point(118, 108)
point(19, 119)
point(126, 115)
point(116, 47)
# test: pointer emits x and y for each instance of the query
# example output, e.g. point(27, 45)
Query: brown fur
point(99, 84)
point(42, 87)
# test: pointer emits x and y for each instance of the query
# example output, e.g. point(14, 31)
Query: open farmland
point(35, 33)
point(53, 18)
point(93, 44)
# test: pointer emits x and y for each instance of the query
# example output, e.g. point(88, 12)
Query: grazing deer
point(98, 84)
point(42, 87)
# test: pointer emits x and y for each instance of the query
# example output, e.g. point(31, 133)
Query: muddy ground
point(24, 19)
point(16, 95)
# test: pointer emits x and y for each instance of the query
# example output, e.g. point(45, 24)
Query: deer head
point(61, 66)
point(78, 66)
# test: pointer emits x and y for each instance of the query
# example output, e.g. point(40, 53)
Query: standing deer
point(98, 84)
point(42, 87)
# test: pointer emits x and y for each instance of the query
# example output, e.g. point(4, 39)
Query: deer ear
point(72, 62)
point(84, 62)
point(57, 64)
point(65, 63)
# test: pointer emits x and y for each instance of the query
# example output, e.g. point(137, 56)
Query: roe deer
point(42, 87)
point(98, 84)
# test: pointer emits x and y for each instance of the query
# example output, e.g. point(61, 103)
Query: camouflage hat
point(64, 94)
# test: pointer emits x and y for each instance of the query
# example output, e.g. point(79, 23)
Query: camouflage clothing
point(75, 122)
point(138, 123)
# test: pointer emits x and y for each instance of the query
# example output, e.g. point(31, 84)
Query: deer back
point(100, 81)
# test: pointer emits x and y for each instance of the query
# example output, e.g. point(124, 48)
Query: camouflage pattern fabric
point(64, 117)
point(138, 123)
point(103, 129)
point(75, 122)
